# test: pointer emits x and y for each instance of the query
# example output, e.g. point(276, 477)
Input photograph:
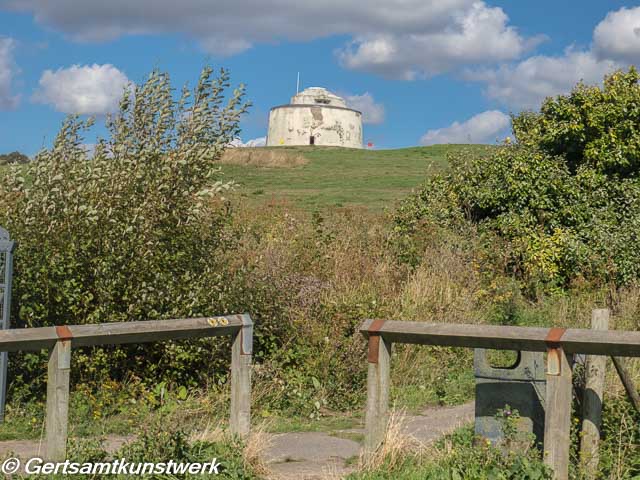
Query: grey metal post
point(241, 352)
point(6, 248)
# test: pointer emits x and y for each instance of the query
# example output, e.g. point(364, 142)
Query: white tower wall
point(315, 117)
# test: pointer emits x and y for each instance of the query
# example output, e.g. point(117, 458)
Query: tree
point(13, 157)
point(132, 232)
point(564, 201)
point(592, 126)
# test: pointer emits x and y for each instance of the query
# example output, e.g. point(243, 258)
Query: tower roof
point(317, 96)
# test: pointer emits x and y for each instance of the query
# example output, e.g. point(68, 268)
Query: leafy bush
point(560, 206)
point(592, 126)
point(620, 447)
point(462, 457)
point(13, 157)
point(132, 232)
point(160, 445)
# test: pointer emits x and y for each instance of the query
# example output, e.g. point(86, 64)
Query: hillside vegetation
point(12, 158)
point(150, 228)
point(319, 177)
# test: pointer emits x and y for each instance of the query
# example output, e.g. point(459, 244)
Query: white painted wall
point(330, 126)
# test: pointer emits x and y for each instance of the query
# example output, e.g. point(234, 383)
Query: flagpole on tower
point(298, 84)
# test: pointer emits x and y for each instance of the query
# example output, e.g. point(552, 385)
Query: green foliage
point(464, 458)
point(592, 126)
point(508, 419)
point(165, 445)
point(132, 232)
point(560, 207)
point(13, 158)
point(620, 447)
point(160, 445)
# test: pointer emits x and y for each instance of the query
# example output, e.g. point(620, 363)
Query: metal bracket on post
point(374, 341)
point(554, 351)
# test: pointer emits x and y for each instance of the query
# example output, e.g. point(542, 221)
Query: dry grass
point(444, 288)
point(395, 447)
point(210, 433)
point(574, 311)
point(255, 445)
point(347, 272)
point(198, 409)
point(263, 157)
point(255, 448)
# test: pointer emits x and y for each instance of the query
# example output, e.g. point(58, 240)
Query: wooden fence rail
point(59, 341)
point(559, 344)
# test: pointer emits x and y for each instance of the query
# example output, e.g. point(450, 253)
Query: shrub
point(160, 445)
point(620, 448)
point(13, 157)
point(461, 456)
point(592, 126)
point(561, 205)
point(132, 232)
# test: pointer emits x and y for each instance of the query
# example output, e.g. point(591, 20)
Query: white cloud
point(256, 142)
point(486, 127)
point(90, 89)
point(527, 84)
point(89, 149)
point(476, 35)
point(231, 26)
point(401, 38)
point(524, 85)
point(372, 112)
point(618, 36)
point(8, 71)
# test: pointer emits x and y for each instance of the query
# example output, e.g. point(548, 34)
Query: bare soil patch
point(263, 157)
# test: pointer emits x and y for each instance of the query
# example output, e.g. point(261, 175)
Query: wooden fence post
point(58, 401)
point(378, 383)
point(595, 367)
point(558, 407)
point(241, 352)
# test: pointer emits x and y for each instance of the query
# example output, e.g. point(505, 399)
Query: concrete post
point(241, 351)
point(595, 367)
point(58, 401)
point(558, 413)
point(378, 384)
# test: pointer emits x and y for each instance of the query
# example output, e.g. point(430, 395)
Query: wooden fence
point(59, 341)
point(560, 344)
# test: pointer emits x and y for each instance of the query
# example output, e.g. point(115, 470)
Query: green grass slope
point(335, 177)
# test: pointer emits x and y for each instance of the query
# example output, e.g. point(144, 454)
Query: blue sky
point(422, 71)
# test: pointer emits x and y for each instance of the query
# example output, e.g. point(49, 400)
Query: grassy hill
point(310, 177)
point(320, 177)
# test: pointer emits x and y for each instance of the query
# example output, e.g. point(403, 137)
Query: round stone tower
point(315, 116)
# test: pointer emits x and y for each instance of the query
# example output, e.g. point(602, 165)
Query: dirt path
point(307, 455)
point(25, 449)
point(315, 456)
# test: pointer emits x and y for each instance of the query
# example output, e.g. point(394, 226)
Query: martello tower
point(315, 116)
